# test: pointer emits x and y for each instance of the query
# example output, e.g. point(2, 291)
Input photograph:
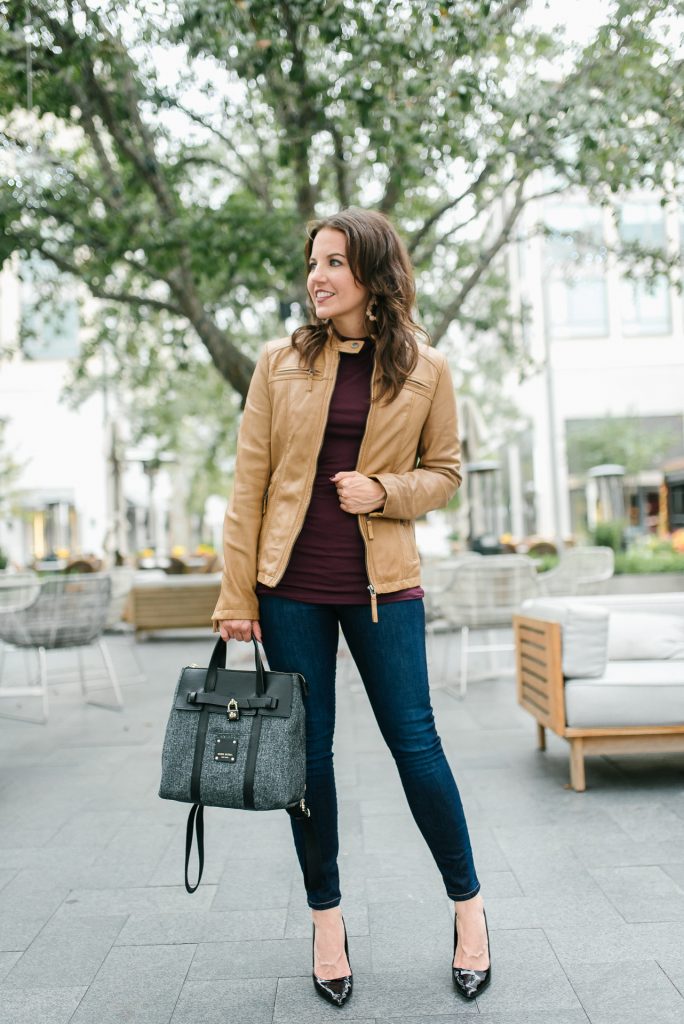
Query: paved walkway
point(584, 892)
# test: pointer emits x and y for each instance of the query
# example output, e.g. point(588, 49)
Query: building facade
point(80, 489)
point(609, 352)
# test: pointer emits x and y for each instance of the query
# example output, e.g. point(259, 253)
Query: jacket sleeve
point(437, 475)
point(242, 523)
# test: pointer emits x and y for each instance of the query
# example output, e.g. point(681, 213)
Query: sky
point(579, 17)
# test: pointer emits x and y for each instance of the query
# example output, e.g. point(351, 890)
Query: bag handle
point(218, 660)
point(313, 859)
point(196, 818)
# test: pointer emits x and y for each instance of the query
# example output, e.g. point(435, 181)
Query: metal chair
point(64, 611)
point(580, 570)
point(484, 593)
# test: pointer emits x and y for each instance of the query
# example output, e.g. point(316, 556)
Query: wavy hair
point(379, 261)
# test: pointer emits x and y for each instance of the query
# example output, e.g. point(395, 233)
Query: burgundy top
point(328, 560)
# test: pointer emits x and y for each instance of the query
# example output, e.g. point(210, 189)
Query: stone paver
point(584, 892)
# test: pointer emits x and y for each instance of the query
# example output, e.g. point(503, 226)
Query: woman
point(349, 433)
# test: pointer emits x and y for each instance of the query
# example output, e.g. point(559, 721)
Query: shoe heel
point(335, 990)
point(470, 983)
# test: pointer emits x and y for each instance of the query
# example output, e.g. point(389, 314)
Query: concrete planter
point(644, 583)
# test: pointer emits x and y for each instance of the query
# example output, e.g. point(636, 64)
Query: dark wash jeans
point(390, 656)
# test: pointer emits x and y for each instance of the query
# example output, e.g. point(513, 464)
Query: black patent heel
point(468, 982)
point(334, 990)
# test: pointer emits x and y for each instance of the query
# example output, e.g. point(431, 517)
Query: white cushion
point(634, 636)
point(628, 693)
point(584, 633)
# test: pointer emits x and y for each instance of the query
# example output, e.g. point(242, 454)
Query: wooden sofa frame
point(541, 691)
point(154, 607)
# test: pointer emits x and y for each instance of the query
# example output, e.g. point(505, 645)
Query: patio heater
point(483, 490)
point(605, 489)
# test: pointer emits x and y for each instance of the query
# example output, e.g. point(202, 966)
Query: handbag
point(236, 738)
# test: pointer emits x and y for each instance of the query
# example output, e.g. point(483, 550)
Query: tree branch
point(299, 121)
point(129, 298)
point(250, 177)
point(233, 365)
point(508, 8)
point(343, 193)
point(472, 189)
point(484, 260)
point(114, 183)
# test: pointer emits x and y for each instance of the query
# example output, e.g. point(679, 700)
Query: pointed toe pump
point(334, 990)
point(468, 982)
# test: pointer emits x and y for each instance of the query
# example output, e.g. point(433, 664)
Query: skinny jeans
point(390, 656)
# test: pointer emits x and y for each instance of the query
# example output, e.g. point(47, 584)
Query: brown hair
point(378, 259)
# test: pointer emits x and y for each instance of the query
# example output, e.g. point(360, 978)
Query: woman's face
point(331, 284)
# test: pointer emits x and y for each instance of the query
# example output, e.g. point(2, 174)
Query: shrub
point(545, 562)
point(640, 560)
point(610, 535)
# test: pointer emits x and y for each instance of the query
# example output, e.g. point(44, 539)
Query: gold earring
point(369, 310)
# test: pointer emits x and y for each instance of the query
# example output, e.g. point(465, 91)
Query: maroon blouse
point(328, 561)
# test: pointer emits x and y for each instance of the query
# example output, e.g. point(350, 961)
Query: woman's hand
point(240, 629)
point(358, 493)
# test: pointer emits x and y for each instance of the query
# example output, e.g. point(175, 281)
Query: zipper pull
point(369, 524)
point(374, 602)
point(311, 373)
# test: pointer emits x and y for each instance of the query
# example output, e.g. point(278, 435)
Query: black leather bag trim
point(241, 686)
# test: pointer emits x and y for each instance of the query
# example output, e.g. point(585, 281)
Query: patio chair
point(58, 612)
point(18, 589)
point(123, 579)
point(484, 593)
point(580, 570)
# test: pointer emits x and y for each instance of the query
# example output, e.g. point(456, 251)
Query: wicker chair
point(484, 593)
point(579, 571)
point(64, 611)
point(17, 589)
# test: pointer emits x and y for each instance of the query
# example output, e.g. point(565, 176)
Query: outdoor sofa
point(160, 602)
point(604, 672)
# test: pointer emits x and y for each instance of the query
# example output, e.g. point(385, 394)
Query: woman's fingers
point(236, 629)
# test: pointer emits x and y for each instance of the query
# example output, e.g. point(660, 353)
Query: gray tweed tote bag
point(236, 738)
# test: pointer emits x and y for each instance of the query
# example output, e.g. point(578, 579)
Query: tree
point(629, 441)
point(168, 160)
point(9, 470)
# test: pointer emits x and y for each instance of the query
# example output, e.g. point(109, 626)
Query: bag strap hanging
point(196, 818)
point(313, 867)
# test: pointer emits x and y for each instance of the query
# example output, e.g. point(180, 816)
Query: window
point(645, 307)
point(575, 262)
point(49, 313)
point(577, 308)
point(645, 304)
point(643, 223)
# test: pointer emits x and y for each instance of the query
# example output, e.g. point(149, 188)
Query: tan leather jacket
point(410, 446)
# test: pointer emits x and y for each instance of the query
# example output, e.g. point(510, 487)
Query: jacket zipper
point(371, 585)
point(327, 400)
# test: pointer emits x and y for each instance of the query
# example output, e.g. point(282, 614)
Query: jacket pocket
point(295, 373)
point(408, 546)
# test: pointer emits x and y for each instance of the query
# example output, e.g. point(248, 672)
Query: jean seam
point(320, 906)
point(465, 895)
